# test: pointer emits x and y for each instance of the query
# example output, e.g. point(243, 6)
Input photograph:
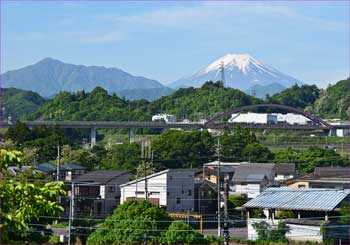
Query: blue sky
point(166, 41)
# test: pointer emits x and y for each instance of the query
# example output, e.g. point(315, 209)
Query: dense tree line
point(171, 149)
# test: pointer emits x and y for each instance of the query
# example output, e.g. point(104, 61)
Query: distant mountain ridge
point(50, 76)
point(242, 71)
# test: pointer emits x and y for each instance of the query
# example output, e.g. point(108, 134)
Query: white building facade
point(172, 189)
point(253, 118)
point(164, 117)
point(292, 119)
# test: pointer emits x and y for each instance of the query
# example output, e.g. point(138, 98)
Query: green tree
point(80, 156)
point(181, 233)
point(235, 201)
point(257, 152)
point(295, 96)
point(345, 213)
point(307, 160)
point(123, 156)
point(268, 233)
point(19, 133)
point(144, 169)
point(133, 222)
point(182, 149)
point(30, 155)
point(241, 145)
point(24, 202)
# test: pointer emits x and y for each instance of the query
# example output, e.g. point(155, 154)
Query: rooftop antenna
point(222, 70)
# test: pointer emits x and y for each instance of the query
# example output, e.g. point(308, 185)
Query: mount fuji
point(241, 71)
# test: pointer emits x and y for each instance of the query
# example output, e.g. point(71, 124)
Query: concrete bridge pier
point(93, 137)
point(131, 135)
point(330, 132)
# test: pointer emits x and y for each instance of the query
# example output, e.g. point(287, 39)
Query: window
point(111, 189)
point(170, 177)
point(301, 186)
point(189, 192)
point(154, 193)
point(178, 200)
point(139, 192)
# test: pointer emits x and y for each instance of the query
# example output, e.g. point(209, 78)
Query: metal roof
point(298, 199)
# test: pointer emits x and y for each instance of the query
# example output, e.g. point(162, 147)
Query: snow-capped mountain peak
point(230, 61)
point(241, 71)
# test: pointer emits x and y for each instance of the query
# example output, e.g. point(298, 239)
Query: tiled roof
point(252, 172)
point(285, 168)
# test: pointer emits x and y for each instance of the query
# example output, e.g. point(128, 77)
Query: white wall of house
point(304, 232)
point(251, 190)
point(174, 190)
point(156, 188)
point(281, 177)
point(295, 233)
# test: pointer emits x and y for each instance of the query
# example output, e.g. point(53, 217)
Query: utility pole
point(226, 225)
point(146, 156)
point(219, 190)
point(71, 214)
point(58, 162)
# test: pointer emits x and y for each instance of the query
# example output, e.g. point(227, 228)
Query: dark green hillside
point(334, 102)
point(97, 105)
point(20, 103)
point(192, 103)
point(295, 96)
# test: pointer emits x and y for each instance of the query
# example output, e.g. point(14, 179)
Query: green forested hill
point(97, 105)
point(295, 96)
point(194, 103)
point(191, 103)
point(19, 103)
point(334, 102)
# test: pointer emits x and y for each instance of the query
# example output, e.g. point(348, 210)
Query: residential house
point(98, 192)
point(284, 171)
point(227, 170)
point(172, 189)
point(315, 212)
point(14, 170)
point(323, 177)
point(68, 171)
point(252, 178)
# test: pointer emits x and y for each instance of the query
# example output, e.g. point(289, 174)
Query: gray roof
point(331, 172)
point(298, 199)
point(72, 166)
point(252, 172)
point(285, 168)
point(104, 177)
point(45, 167)
point(50, 167)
